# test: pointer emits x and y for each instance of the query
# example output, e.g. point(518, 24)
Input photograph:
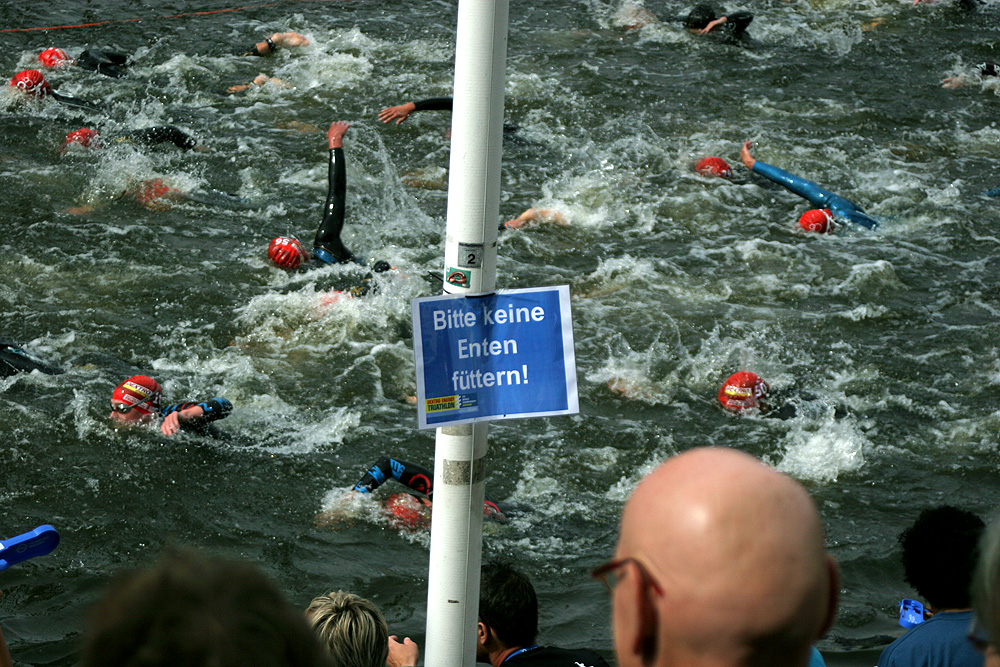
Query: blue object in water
point(37, 542)
point(911, 613)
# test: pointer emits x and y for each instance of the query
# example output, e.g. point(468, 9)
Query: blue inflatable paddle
point(37, 542)
point(911, 612)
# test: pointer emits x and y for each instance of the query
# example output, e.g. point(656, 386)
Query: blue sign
point(504, 355)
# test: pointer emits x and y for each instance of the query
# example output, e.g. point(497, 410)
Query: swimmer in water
point(705, 18)
point(536, 215)
point(15, 359)
point(137, 401)
point(831, 206)
point(101, 61)
point(408, 510)
point(287, 252)
point(87, 137)
point(32, 84)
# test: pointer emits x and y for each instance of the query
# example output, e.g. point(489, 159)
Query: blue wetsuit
point(215, 409)
point(416, 477)
point(817, 196)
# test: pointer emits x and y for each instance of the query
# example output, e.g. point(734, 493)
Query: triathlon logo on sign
point(505, 355)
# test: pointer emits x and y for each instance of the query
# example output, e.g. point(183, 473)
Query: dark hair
point(191, 609)
point(940, 551)
point(700, 16)
point(507, 604)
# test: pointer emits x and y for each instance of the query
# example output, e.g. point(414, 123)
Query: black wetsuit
point(447, 104)
point(108, 63)
point(736, 24)
point(215, 409)
point(14, 359)
point(734, 29)
point(159, 134)
point(327, 246)
point(415, 477)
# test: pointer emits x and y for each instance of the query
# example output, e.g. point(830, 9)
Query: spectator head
point(351, 628)
point(939, 555)
point(199, 611)
point(720, 561)
point(986, 595)
point(508, 610)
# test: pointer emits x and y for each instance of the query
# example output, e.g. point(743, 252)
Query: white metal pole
point(470, 267)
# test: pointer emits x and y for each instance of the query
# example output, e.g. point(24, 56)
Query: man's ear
point(483, 634)
point(635, 618)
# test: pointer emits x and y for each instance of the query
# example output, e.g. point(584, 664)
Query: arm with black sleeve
point(327, 246)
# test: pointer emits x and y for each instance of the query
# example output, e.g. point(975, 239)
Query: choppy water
point(678, 281)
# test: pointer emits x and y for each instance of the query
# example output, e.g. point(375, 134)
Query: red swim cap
point(53, 57)
point(406, 511)
point(742, 390)
point(85, 137)
point(32, 82)
point(152, 191)
point(819, 220)
point(714, 166)
point(286, 252)
point(140, 392)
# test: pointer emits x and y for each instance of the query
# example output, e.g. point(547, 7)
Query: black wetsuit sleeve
point(989, 69)
point(334, 211)
point(108, 63)
point(150, 136)
point(737, 22)
point(215, 409)
point(416, 477)
point(434, 104)
point(14, 359)
point(75, 102)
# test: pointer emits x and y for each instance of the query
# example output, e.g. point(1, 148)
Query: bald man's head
point(738, 551)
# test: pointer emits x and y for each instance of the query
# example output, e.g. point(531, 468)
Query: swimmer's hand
point(289, 39)
point(536, 214)
point(398, 113)
point(335, 135)
point(258, 80)
point(748, 159)
point(172, 423)
point(402, 653)
point(953, 82)
point(712, 25)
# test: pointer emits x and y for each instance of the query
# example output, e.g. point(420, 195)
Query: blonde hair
point(352, 629)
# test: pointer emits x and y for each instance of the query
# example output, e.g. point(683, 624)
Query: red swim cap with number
point(742, 390)
point(84, 137)
point(819, 220)
point(714, 166)
point(32, 82)
point(286, 252)
point(140, 392)
point(53, 57)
